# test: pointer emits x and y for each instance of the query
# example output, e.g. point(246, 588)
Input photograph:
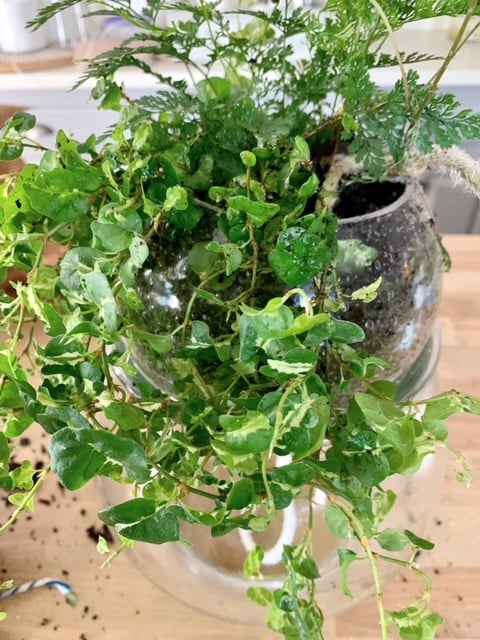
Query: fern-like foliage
point(290, 71)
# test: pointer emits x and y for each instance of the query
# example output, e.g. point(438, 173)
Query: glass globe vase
point(395, 241)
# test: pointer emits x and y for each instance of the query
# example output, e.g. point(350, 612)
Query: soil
point(399, 322)
point(360, 198)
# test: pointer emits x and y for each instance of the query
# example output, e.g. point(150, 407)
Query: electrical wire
point(63, 587)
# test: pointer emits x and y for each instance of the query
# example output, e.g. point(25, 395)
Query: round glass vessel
point(395, 240)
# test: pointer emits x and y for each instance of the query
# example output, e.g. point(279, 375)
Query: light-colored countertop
point(121, 604)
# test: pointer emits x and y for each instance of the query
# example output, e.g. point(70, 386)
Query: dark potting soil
point(403, 249)
point(360, 198)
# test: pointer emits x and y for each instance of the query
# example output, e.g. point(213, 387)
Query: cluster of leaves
point(296, 71)
point(259, 367)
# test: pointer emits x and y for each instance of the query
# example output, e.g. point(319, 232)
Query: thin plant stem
point(191, 302)
point(112, 556)
point(365, 542)
point(26, 499)
point(187, 488)
point(396, 50)
point(275, 437)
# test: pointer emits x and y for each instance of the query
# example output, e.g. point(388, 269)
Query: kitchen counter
point(119, 603)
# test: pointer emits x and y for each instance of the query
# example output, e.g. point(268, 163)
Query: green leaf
point(354, 256)
point(297, 474)
point(22, 476)
point(201, 261)
point(102, 546)
point(416, 541)
point(392, 539)
point(112, 99)
point(176, 198)
point(126, 416)
point(253, 562)
point(113, 237)
point(233, 255)
point(346, 332)
point(163, 526)
point(257, 212)
point(260, 595)
point(128, 453)
point(385, 388)
point(159, 343)
point(18, 500)
point(251, 433)
point(338, 522)
point(54, 418)
point(141, 135)
point(217, 194)
point(138, 251)
point(78, 455)
point(4, 450)
point(75, 262)
point(369, 292)
point(60, 206)
point(214, 87)
point(21, 122)
point(448, 404)
point(10, 151)
point(186, 218)
point(300, 151)
point(98, 288)
point(401, 436)
point(416, 624)
point(304, 323)
point(282, 498)
point(309, 188)
point(73, 462)
point(85, 328)
point(6, 365)
point(202, 178)
point(378, 412)
point(346, 558)
point(308, 568)
point(299, 256)
point(241, 494)
point(274, 321)
point(296, 362)
point(248, 158)
point(371, 469)
point(6, 585)
point(384, 502)
point(128, 512)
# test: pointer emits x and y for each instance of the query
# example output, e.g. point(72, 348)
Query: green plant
point(256, 367)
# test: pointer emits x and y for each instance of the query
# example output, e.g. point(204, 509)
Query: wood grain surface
point(121, 604)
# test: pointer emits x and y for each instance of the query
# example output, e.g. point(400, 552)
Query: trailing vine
point(199, 247)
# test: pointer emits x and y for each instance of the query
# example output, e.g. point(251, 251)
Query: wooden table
point(121, 604)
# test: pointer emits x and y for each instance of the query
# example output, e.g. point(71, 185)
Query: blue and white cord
point(63, 587)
